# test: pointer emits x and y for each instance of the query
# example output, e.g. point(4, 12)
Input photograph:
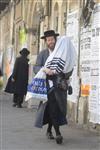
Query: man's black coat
point(61, 96)
point(20, 75)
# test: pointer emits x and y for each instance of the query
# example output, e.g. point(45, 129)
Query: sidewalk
point(17, 131)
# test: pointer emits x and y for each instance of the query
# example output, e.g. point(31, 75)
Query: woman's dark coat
point(61, 96)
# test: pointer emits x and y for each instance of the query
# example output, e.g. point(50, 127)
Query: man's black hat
point(24, 51)
point(49, 33)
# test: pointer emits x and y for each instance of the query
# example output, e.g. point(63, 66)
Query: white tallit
point(63, 58)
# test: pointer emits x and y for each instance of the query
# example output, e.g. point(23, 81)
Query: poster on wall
point(85, 60)
point(10, 58)
point(73, 28)
point(72, 32)
point(94, 99)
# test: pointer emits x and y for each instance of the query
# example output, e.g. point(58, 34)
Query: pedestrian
point(56, 106)
point(20, 77)
point(0, 72)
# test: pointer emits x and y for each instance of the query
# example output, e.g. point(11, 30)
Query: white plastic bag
point(37, 88)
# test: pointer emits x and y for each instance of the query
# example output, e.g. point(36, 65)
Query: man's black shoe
point(50, 135)
point(59, 139)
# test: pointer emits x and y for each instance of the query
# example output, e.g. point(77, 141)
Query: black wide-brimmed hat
point(24, 51)
point(49, 33)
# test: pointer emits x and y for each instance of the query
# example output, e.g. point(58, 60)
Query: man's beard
point(51, 47)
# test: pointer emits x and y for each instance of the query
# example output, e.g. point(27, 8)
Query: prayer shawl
point(62, 59)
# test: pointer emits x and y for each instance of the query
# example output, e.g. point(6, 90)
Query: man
point(55, 111)
point(20, 77)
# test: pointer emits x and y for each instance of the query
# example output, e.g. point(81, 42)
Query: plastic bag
point(37, 88)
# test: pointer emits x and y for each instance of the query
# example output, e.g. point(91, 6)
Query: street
point(17, 131)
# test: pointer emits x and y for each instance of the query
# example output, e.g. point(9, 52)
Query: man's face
point(50, 41)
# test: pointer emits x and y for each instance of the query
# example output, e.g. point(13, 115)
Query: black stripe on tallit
point(56, 64)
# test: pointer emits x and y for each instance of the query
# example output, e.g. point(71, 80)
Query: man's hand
point(48, 71)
